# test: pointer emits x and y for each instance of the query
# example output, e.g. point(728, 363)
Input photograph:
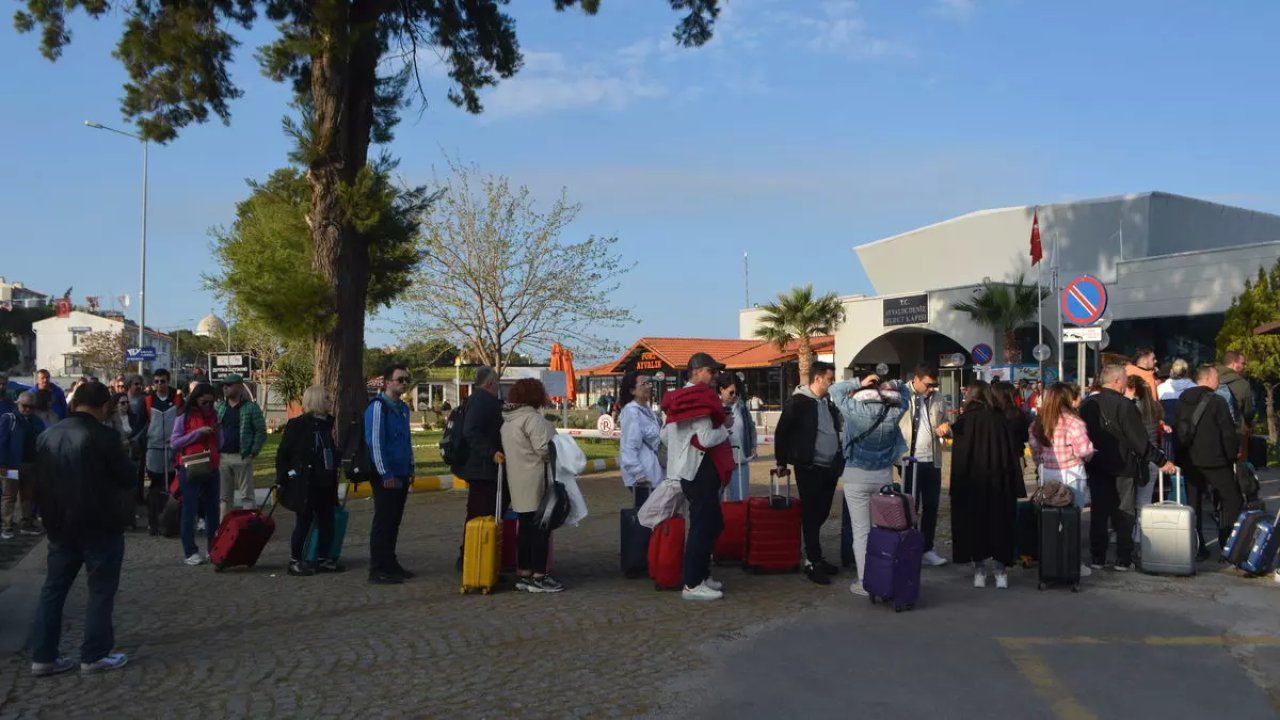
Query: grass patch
point(426, 455)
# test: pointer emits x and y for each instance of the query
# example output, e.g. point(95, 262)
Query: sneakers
point(385, 578)
point(815, 574)
point(541, 584)
point(702, 592)
point(1002, 581)
point(1085, 571)
point(933, 559)
point(980, 579)
point(57, 667)
point(713, 583)
point(200, 525)
point(194, 559)
point(114, 661)
point(6, 534)
point(329, 566)
point(297, 568)
point(402, 573)
point(1122, 567)
point(1098, 563)
point(857, 589)
point(29, 530)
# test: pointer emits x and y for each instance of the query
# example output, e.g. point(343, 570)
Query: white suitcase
point(1169, 540)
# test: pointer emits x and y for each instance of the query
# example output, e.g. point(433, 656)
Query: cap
point(703, 360)
point(231, 379)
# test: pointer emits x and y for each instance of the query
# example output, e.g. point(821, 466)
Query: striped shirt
point(1071, 445)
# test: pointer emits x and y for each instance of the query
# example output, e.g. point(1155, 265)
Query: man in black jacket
point(86, 501)
point(1206, 444)
point(482, 436)
point(808, 437)
point(1121, 454)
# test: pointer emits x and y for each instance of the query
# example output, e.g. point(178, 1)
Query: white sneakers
point(714, 584)
point(980, 579)
point(702, 592)
point(194, 560)
point(1085, 570)
point(1002, 581)
point(933, 559)
point(857, 589)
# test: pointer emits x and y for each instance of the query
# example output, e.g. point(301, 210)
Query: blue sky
point(805, 128)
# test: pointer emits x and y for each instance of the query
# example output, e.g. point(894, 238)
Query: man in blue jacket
point(386, 432)
point(18, 432)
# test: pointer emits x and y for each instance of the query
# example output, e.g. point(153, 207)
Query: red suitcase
point(773, 530)
point(731, 544)
point(666, 554)
point(241, 536)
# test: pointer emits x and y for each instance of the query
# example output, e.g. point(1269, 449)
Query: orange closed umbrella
point(557, 363)
point(570, 382)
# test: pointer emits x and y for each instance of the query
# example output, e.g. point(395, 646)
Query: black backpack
point(356, 461)
point(453, 446)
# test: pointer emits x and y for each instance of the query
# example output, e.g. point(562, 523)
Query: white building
point(1171, 265)
point(57, 339)
point(16, 295)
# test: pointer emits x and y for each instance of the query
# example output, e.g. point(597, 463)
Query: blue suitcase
point(340, 517)
point(1243, 536)
point(1262, 556)
point(634, 544)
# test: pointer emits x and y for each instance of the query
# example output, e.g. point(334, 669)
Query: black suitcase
point(1060, 546)
point(635, 545)
point(1026, 533)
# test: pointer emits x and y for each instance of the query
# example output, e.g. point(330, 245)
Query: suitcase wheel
point(898, 608)
point(1040, 586)
point(485, 591)
point(463, 590)
point(218, 568)
point(1075, 588)
point(873, 599)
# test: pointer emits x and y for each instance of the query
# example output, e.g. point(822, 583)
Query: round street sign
point(1084, 300)
point(981, 354)
point(1041, 352)
point(882, 370)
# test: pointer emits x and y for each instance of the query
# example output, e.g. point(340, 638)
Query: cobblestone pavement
point(257, 642)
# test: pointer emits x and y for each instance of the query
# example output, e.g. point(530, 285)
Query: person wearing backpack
point(482, 447)
point(386, 433)
point(1206, 444)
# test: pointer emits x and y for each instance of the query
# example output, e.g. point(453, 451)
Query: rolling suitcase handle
point(1177, 485)
point(497, 509)
point(773, 488)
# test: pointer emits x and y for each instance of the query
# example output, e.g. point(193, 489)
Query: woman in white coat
point(641, 437)
point(526, 443)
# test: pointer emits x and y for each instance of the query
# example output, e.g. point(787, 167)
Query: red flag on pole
point(1037, 250)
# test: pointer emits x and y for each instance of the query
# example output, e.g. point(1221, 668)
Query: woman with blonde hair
point(1060, 444)
point(307, 472)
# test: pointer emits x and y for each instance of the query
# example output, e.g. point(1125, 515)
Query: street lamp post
point(142, 279)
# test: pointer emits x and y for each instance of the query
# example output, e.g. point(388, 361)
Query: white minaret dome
point(210, 325)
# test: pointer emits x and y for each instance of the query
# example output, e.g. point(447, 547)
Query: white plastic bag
point(570, 461)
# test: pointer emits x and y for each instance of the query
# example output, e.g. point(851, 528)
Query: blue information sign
point(143, 354)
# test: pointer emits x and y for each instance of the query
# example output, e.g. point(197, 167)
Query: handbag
point(1053, 493)
point(198, 466)
point(553, 510)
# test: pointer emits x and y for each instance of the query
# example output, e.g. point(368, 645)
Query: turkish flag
point(1037, 250)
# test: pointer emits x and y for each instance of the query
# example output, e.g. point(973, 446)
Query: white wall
point(862, 338)
point(54, 340)
point(1195, 283)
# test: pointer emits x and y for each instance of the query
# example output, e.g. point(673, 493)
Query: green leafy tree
point(799, 316)
point(1004, 307)
point(1257, 304)
point(351, 65)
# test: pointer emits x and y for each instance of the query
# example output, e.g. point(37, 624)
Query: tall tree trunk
point(1270, 389)
point(1012, 354)
point(804, 358)
point(343, 79)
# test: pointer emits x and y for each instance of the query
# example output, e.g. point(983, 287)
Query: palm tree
point(1004, 307)
point(799, 316)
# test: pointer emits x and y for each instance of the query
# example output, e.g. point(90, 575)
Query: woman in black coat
point(1019, 426)
point(983, 494)
point(307, 473)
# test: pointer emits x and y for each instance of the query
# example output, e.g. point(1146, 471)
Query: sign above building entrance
point(910, 310)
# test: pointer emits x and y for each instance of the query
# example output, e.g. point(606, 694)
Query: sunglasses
point(26, 406)
point(401, 379)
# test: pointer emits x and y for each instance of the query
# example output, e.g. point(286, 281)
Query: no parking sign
point(1084, 300)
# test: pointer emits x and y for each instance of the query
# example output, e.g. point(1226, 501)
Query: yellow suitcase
point(482, 549)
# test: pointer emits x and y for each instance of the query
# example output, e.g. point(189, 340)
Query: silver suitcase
point(1168, 535)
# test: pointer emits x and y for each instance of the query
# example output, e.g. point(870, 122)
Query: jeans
point(318, 507)
point(20, 495)
point(846, 536)
point(1142, 497)
point(388, 511)
point(739, 487)
point(705, 522)
point(1113, 499)
point(930, 479)
point(533, 545)
point(236, 472)
point(101, 558)
point(198, 498)
point(1223, 482)
point(817, 486)
point(857, 496)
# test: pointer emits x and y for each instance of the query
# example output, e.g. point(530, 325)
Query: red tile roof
point(736, 354)
point(767, 354)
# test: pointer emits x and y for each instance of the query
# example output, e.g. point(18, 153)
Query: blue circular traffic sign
point(982, 354)
point(1084, 300)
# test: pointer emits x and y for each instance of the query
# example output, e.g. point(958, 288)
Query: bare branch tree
point(496, 278)
point(102, 351)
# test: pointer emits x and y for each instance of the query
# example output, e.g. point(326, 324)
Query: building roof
point(735, 354)
point(766, 354)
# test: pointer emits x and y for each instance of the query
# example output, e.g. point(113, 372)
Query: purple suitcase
point(893, 564)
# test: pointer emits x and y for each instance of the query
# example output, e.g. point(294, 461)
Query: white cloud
point(954, 9)
point(839, 28)
point(549, 81)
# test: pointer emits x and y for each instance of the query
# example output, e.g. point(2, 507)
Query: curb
point(593, 466)
point(433, 483)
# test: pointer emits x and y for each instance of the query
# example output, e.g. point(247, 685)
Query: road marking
point(1021, 652)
